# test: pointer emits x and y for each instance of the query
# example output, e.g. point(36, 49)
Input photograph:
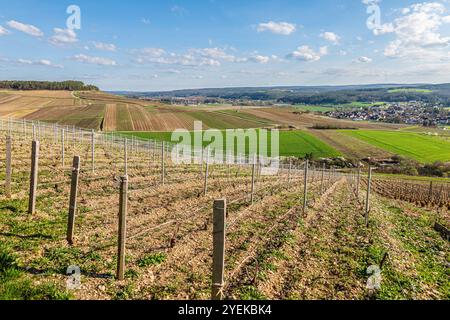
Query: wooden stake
point(322, 179)
point(33, 177)
point(358, 181)
point(8, 167)
point(290, 170)
point(430, 193)
point(163, 164)
point(125, 156)
point(305, 188)
point(122, 232)
point(369, 189)
point(252, 195)
point(93, 150)
point(205, 188)
point(62, 147)
point(219, 226)
point(73, 198)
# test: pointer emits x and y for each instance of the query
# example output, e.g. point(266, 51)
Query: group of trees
point(436, 94)
point(47, 85)
point(348, 96)
point(413, 168)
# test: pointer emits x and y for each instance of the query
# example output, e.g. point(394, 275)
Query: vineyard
point(139, 225)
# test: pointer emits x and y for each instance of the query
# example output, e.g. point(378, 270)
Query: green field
point(321, 109)
point(357, 104)
point(292, 143)
point(421, 147)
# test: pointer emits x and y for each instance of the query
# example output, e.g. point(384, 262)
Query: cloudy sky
point(161, 45)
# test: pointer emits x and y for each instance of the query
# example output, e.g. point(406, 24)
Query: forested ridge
point(47, 85)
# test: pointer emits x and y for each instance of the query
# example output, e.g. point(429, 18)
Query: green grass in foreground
point(292, 143)
point(421, 147)
point(15, 284)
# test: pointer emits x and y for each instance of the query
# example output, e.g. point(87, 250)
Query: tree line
point(47, 85)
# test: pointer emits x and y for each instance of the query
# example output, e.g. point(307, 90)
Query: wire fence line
point(115, 165)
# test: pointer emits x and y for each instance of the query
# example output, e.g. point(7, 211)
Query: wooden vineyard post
point(74, 136)
point(33, 177)
point(322, 179)
point(62, 147)
point(252, 196)
point(369, 187)
point(154, 150)
point(8, 167)
point(305, 188)
point(290, 171)
point(125, 156)
point(93, 150)
point(219, 226)
point(201, 161)
point(150, 151)
point(358, 181)
point(205, 187)
point(122, 232)
point(163, 164)
point(430, 193)
point(73, 198)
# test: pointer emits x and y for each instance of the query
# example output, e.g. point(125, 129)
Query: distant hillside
point(47, 85)
point(316, 94)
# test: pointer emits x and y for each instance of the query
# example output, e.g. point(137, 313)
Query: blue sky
point(161, 45)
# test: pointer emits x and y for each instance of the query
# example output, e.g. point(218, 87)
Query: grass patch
point(152, 260)
point(292, 143)
point(15, 284)
point(423, 148)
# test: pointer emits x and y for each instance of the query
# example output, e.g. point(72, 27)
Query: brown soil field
point(40, 93)
point(110, 121)
point(290, 116)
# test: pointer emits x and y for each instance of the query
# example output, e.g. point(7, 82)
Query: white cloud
point(94, 60)
point(3, 31)
point(145, 21)
point(305, 53)
point(260, 59)
point(43, 62)
point(24, 61)
point(179, 10)
point(63, 37)
point(331, 37)
point(283, 28)
point(418, 33)
point(105, 46)
point(196, 57)
point(370, 2)
point(383, 29)
point(26, 28)
point(363, 60)
point(193, 57)
point(214, 53)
